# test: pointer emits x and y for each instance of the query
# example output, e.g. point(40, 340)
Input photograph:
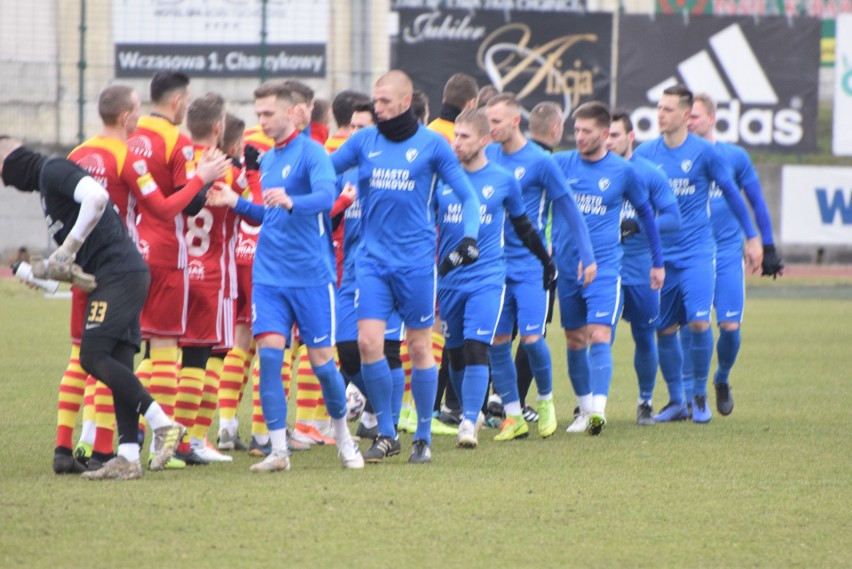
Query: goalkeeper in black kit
point(97, 255)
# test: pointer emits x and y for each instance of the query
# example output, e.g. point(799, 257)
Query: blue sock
point(671, 364)
point(688, 368)
point(539, 355)
point(600, 367)
point(503, 372)
point(702, 353)
point(397, 389)
point(457, 380)
point(578, 372)
point(272, 398)
point(333, 389)
point(424, 388)
point(377, 379)
point(645, 360)
point(473, 390)
point(727, 349)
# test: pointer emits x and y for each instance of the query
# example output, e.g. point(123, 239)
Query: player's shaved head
point(392, 95)
point(397, 80)
point(204, 114)
point(113, 101)
point(476, 118)
point(543, 118)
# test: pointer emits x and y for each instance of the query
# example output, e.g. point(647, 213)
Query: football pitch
point(769, 486)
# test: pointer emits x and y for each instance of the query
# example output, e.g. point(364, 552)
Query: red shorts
point(226, 325)
point(204, 315)
point(79, 302)
point(164, 313)
point(243, 294)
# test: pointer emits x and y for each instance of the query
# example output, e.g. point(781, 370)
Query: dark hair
point(365, 107)
point(623, 115)
point(485, 95)
point(460, 89)
point(419, 105)
point(344, 105)
point(682, 93)
point(320, 111)
point(114, 100)
point(594, 110)
point(234, 129)
point(164, 83)
point(275, 89)
point(203, 114)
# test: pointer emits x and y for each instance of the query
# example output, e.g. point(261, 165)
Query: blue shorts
point(275, 309)
point(381, 290)
point(641, 304)
point(594, 304)
point(470, 315)
point(526, 303)
point(729, 300)
point(347, 319)
point(687, 294)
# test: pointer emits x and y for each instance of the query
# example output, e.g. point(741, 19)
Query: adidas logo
point(729, 71)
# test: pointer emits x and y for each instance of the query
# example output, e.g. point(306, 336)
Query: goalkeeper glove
point(252, 157)
point(772, 264)
point(465, 254)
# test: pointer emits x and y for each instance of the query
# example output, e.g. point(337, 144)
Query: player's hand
point(754, 254)
point(772, 264)
point(221, 195)
point(276, 197)
point(251, 157)
point(658, 277)
point(349, 192)
point(550, 274)
point(212, 164)
point(59, 263)
point(587, 274)
point(82, 280)
point(629, 227)
point(466, 253)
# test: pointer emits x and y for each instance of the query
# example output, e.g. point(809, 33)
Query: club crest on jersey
point(285, 171)
point(140, 166)
point(519, 172)
point(603, 184)
point(487, 191)
point(188, 153)
point(411, 154)
point(686, 165)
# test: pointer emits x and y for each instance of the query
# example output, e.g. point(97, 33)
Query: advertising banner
point(763, 74)
point(220, 38)
point(816, 205)
point(841, 141)
point(546, 51)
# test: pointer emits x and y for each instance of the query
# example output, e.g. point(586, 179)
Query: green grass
point(768, 486)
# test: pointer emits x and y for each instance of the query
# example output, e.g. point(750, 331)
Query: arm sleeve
point(668, 218)
point(165, 208)
point(453, 175)
point(720, 175)
point(341, 204)
point(254, 192)
point(323, 186)
point(761, 213)
point(198, 200)
point(646, 217)
point(567, 208)
point(93, 199)
point(250, 210)
point(529, 237)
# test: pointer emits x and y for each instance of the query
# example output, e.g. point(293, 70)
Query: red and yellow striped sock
point(308, 388)
point(230, 386)
point(437, 348)
point(189, 393)
point(164, 378)
point(143, 372)
point(209, 400)
point(104, 419)
point(258, 423)
point(72, 388)
point(247, 371)
point(405, 358)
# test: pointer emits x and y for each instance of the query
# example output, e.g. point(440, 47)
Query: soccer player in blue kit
point(470, 298)
point(690, 164)
point(601, 181)
point(641, 303)
point(526, 302)
point(397, 161)
point(293, 274)
point(729, 297)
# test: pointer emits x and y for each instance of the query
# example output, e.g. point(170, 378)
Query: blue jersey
point(690, 168)
point(726, 227)
point(498, 192)
point(397, 181)
point(600, 189)
point(294, 249)
point(541, 183)
point(636, 264)
point(351, 226)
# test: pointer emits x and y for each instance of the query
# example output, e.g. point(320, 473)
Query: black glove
point(628, 227)
point(772, 264)
point(465, 254)
point(251, 156)
point(550, 274)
